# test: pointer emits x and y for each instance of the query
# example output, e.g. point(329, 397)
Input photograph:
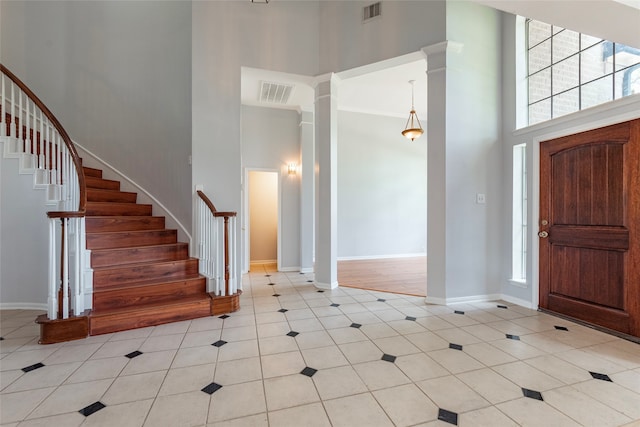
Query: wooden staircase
point(142, 276)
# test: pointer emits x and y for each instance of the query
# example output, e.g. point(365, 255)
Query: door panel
point(590, 208)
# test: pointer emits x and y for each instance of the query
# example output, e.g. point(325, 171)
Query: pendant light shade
point(413, 128)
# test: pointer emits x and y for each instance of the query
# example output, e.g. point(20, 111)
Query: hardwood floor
point(399, 275)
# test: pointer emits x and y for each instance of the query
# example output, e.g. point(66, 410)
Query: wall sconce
point(292, 168)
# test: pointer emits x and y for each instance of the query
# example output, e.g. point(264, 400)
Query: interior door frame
point(533, 152)
point(246, 220)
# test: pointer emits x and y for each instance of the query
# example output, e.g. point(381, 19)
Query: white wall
point(24, 237)
point(118, 77)
point(271, 140)
point(263, 216)
point(382, 187)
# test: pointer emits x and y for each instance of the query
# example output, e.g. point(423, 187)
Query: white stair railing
point(31, 133)
point(215, 246)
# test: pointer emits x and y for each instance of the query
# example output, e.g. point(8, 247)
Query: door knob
point(543, 234)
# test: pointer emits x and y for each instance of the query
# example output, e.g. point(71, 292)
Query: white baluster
point(13, 111)
point(65, 268)
point(27, 122)
point(3, 120)
point(52, 306)
point(41, 157)
point(21, 121)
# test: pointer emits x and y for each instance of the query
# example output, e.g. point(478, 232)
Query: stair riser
point(123, 223)
point(129, 239)
point(109, 257)
point(91, 172)
point(105, 324)
point(95, 195)
point(117, 209)
point(152, 294)
point(105, 279)
point(93, 182)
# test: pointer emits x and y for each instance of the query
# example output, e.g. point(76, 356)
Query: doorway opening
point(262, 223)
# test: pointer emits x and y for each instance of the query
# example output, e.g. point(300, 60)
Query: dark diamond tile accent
point(603, 377)
point(283, 310)
point(133, 354)
point(211, 388)
point(308, 371)
point(455, 346)
point(320, 291)
point(267, 275)
point(413, 319)
point(561, 328)
point(276, 295)
point(532, 394)
point(513, 337)
point(388, 358)
point(335, 305)
point(302, 274)
point(355, 325)
point(32, 367)
point(448, 416)
point(382, 300)
point(502, 306)
point(459, 312)
point(309, 281)
point(219, 343)
point(1, 338)
point(92, 409)
point(293, 333)
point(271, 284)
point(224, 316)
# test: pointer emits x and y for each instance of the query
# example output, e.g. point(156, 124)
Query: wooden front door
point(590, 226)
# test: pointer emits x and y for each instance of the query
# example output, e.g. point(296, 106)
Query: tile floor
point(297, 356)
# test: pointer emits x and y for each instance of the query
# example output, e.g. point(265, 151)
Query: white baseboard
point(364, 257)
point(326, 286)
point(264, 261)
point(479, 298)
point(519, 301)
point(288, 269)
point(306, 270)
point(22, 306)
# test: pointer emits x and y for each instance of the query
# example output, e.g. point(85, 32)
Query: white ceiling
point(386, 90)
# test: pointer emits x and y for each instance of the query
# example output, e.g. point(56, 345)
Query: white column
point(437, 169)
point(307, 198)
point(326, 161)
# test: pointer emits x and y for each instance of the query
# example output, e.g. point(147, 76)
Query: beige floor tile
point(195, 356)
point(628, 379)
point(118, 348)
point(358, 410)
point(11, 345)
point(518, 349)
point(396, 346)
point(590, 362)
point(73, 419)
point(578, 338)
point(98, 369)
point(378, 330)
point(132, 334)
point(274, 329)
point(455, 361)
point(131, 414)
point(452, 394)
point(313, 339)
point(134, 387)
point(241, 333)
point(161, 343)
point(269, 317)
point(16, 406)
point(354, 307)
point(559, 369)
point(459, 320)
point(406, 405)
point(483, 332)
point(363, 351)
point(21, 359)
point(490, 385)
point(380, 374)
point(259, 420)
point(482, 316)
point(171, 328)
point(70, 398)
point(584, 409)
point(186, 409)
point(347, 335)
point(292, 390)
point(488, 354)
point(238, 400)
point(485, 417)
point(277, 365)
point(404, 326)
point(47, 376)
point(201, 338)
point(386, 313)
point(420, 367)
point(537, 323)
point(531, 412)
point(545, 343)
point(8, 377)
point(280, 344)
point(527, 376)
point(338, 382)
point(238, 371)
point(306, 325)
point(434, 323)
point(427, 341)
point(629, 359)
point(364, 318)
point(335, 322)
point(149, 362)
point(238, 350)
point(312, 415)
point(612, 395)
point(206, 324)
point(183, 380)
point(236, 320)
point(324, 357)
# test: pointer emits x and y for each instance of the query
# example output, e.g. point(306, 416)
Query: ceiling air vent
point(371, 11)
point(275, 93)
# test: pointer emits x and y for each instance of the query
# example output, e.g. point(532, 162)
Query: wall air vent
point(275, 93)
point(372, 11)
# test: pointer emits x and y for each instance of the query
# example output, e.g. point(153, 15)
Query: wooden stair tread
point(146, 283)
point(104, 195)
point(115, 223)
point(92, 172)
point(133, 254)
point(153, 306)
point(142, 264)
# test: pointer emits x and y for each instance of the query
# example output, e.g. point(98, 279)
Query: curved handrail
point(82, 203)
point(207, 202)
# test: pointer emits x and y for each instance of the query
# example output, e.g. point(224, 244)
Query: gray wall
point(382, 187)
point(271, 140)
point(118, 77)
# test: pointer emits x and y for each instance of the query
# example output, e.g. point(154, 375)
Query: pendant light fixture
point(412, 129)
